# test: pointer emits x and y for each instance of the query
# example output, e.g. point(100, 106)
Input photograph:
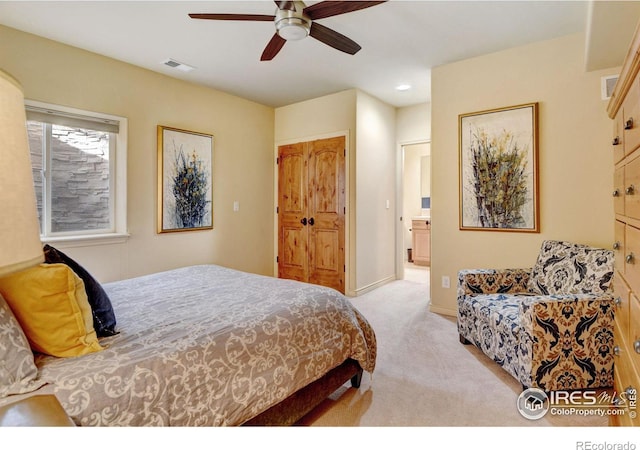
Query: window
point(79, 172)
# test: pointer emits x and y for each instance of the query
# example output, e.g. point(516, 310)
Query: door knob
point(311, 221)
point(304, 221)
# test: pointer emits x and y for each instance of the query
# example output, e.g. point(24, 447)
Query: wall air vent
point(178, 65)
point(608, 83)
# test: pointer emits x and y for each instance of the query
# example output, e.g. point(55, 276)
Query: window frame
point(117, 180)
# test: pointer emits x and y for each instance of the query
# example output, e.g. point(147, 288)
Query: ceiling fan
point(294, 21)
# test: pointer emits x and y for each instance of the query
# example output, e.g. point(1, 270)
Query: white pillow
point(18, 372)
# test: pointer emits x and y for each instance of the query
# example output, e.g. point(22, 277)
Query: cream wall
point(243, 149)
point(370, 127)
point(414, 123)
point(375, 193)
point(331, 115)
point(575, 160)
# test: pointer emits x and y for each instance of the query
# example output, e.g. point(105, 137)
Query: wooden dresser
point(624, 109)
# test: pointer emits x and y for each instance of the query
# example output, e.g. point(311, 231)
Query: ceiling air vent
point(178, 65)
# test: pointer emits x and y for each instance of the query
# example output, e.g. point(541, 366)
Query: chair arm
point(492, 281)
point(569, 340)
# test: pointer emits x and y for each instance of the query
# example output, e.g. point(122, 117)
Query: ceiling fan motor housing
point(292, 25)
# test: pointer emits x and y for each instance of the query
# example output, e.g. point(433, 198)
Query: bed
point(211, 346)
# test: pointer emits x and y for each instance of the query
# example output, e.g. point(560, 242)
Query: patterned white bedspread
point(207, 345)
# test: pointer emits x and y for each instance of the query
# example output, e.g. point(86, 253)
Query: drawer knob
point(616, 193)
point(616, 245)
point(618, 301)
point(629, 258)
point(630, 391)
point(628, 124)
point(616, 350)
point(636, 346)
point(616, 141)
point(630, 190)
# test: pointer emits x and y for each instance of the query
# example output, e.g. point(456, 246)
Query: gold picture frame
point(498, 169)
point(185, 180)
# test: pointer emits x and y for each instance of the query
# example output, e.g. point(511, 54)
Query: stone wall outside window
point(80, 177)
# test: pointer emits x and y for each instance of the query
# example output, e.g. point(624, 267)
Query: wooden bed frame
point(300, 403)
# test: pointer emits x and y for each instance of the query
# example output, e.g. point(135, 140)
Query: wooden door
point(327, 212)
point(311, 212)
point(293, 262)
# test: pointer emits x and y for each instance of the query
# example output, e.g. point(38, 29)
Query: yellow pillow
point(51, 304)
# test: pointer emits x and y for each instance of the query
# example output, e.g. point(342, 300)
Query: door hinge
point(344, 269)
point(277, 161)
point(277, 259)
point(344, 152)
point(277, 210)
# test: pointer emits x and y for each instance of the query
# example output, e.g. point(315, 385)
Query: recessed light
point(403, 87)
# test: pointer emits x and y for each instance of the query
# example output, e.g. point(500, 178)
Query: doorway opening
point(416, 212)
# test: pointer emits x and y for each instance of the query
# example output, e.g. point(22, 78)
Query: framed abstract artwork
point(498, 166)
point(185, 180)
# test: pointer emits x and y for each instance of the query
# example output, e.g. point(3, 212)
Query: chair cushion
point(565, 268)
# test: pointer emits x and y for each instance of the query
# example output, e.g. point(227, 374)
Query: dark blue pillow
point(104, 319)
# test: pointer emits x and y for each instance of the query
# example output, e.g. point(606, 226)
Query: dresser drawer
point(632, 188)
point(619, 246)
point(633, 341)
point(617, 143)
point(620, 420)
point(622, 295)
point(618, 190)
point(631, 121)
point(632, 257)
point(625, 380)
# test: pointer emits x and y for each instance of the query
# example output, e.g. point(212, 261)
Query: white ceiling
point(401, 40)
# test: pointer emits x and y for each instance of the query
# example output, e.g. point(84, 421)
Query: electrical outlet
point(445, 282)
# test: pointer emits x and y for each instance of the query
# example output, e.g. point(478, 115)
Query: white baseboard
point(443, 311)
point(372, 286)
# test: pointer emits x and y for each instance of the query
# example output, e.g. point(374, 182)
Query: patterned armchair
point(551, 326)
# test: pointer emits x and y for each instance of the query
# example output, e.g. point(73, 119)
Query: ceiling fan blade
point(334, 8)
point(273, 47)
point(333, 39)
point(285, 6)
point(250, 17)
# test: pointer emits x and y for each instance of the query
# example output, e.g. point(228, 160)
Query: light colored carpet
point(424, 376)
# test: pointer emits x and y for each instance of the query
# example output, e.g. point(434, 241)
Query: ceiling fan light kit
point(292, 26)
point(294, 21)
